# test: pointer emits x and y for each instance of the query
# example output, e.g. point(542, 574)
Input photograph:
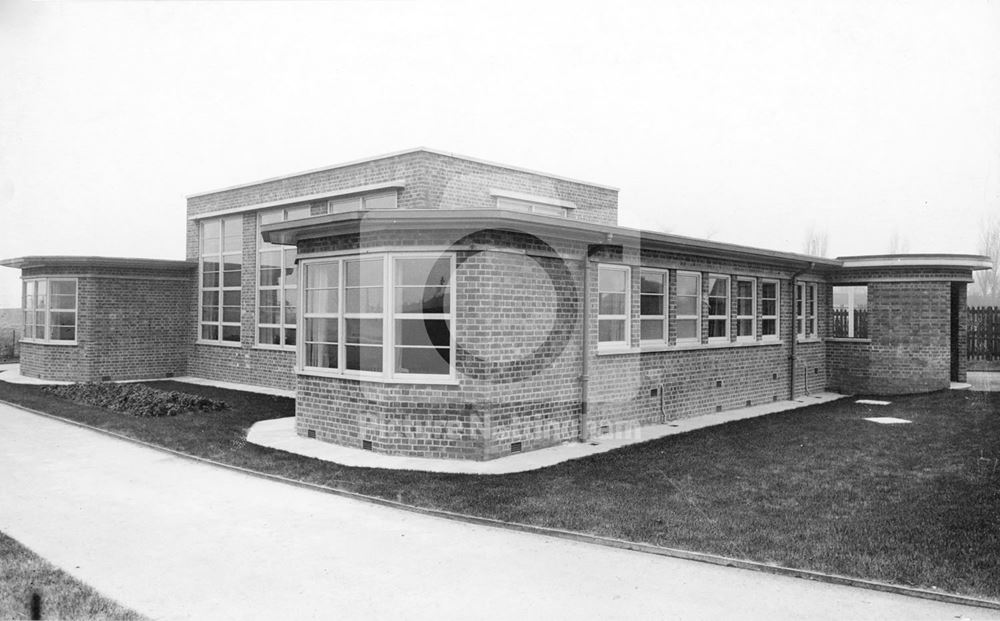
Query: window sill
point(663, 347)
point(846, 339)
point(806, 341)
point(426, 381)
point(219, 343)
point(275, 348)
point(58, 343)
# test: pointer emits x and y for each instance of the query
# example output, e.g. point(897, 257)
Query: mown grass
point(60, 596)
point(817, 488)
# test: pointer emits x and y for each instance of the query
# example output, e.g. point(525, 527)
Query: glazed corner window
point(50, 310)
point(221, 273)
point(422, 326)
point(277, 283)
point(653, 306)
point(513, 204)
point(718, 308)
point(354, 324)
point(688, 320)
point(769, 305)
point(375, 200)
point(805, 310)
point(746, 309)
point(613, 305)
point(850, 312)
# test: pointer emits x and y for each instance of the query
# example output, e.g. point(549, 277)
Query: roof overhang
point(916, 261)
point(62, 261)
point(290, 233)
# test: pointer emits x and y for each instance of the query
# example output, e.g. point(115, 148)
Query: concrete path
point(280, 433)
point(984, 381)
point(175, 539)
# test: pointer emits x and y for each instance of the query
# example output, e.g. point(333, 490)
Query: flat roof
point(890, 261)
point(396, 154)
point(436, 219)
point(112, 262)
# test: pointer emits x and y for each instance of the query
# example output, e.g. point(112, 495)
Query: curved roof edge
point(112, 262)
point(966, 261)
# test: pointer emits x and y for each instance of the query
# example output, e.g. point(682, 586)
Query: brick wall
point(433, 181)
point(643, 387)
point(909, 347)
point(131, 324)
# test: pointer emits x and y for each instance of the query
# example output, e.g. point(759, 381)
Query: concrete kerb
point(555, 532)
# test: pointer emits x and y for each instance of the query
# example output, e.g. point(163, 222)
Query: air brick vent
point(515, 447)
point(310, 433)
point(366, 445)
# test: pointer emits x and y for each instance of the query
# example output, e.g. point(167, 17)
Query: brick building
point(423, 303)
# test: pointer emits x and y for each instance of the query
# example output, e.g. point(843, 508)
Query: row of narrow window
point(655, 316)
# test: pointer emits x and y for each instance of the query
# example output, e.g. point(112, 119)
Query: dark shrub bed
point(136, 399)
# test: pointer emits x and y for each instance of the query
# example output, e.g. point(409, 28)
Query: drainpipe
point(795, 333)
point(585, 367)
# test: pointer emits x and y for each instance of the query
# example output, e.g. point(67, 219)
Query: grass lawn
point(24, 573)
point(817, 488)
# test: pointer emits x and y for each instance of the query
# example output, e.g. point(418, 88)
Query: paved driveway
point(176, 539)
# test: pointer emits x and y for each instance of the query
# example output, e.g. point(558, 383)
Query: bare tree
point(816, 242)
point(989, 245)
point(898, 244)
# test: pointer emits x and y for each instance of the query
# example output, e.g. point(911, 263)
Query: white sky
point(747, 122)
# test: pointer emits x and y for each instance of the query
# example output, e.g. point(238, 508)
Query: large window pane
point(423, 332)
point(363, 331)
point(363, 300)
point(321, 355)
point(423, 360)
point(651, 329)
point(611, 330)
point(612, 304)
point(363, 358)
point(363, 273)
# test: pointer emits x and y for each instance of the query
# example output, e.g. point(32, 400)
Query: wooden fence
point(984, 333)
point(841, 327)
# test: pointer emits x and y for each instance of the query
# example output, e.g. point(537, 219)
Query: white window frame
point(361, 202)
point(852, 306)
point(729, 308)
point(806, 325)
point(777, 310)
point(305, 314)
point(626, 318)
point(47, 310)
point(221, 288)
point(698, 306)
point(388, 317)
point(665, 294)
point(752, 317)
point(286, 214)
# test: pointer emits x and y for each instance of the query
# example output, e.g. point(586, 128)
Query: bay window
point(50, 309)
point(387, 316)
